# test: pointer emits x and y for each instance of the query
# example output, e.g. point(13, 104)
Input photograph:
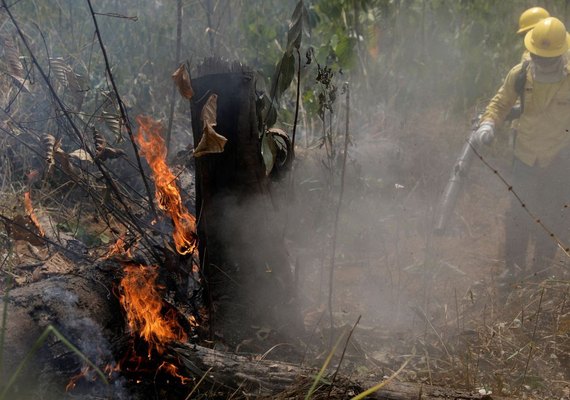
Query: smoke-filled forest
point(237, 199)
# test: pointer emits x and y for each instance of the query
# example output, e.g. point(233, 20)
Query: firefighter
point(541, 150)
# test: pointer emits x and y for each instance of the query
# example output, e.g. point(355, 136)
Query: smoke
point(91, 339)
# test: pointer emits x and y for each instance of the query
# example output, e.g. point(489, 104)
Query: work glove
point(484, 134)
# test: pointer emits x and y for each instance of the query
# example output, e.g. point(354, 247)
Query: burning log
point(98, 350)
point(82, 309)
point(86, 311)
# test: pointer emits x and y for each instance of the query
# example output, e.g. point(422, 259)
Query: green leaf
point(271, 116)
point(294, 35)
point(282, 78)
point(287, 73)
point(345, 51)
point(268, 152)
point(280, 143)
point(299, 24)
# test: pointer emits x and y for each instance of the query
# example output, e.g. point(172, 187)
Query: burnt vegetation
point(230, 199)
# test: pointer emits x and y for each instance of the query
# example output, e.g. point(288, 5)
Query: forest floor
point(435, 299)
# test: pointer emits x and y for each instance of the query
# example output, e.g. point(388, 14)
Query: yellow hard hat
point(531, 17)
point(548, 38)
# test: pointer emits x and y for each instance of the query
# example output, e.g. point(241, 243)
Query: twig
point(121, 107)
point(208, 9)
point(428, 366)
point(339, 204)
point(177, 61)
point(3, 325)
point(383, 383)
point(422, 314)
point(116, 15)
point(342, 356)
point(198, 383)
point(291, 190)
point(457, 310)
point(297, 102)
point(533, 336)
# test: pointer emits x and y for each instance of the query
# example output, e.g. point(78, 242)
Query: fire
point(31, 213)
point(173, 370)
point(117, 248)
point(143, 304)
point(121, 248)
point(73, 381)
point(167, 193)
point(111, 369)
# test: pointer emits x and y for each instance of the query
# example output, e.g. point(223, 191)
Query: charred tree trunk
point(245, 263)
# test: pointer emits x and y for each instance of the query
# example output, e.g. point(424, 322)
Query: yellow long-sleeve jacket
point(544, 126)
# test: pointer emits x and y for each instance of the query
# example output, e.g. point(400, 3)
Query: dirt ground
point(434, 299)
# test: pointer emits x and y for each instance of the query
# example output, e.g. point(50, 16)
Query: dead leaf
point(110, 153)
point(81, 155)
point(100, 141)
point(115, 123)
point(75, 85)
point(21, 227)
point(103, 150)
point(59, 68)
point(210, 110)
point(211, 141)
point(15, 68)
point(50, 145)
point(182, 80)
point(63, 159)
point(57, 264)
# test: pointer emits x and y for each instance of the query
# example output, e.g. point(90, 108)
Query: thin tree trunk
point(177, 62)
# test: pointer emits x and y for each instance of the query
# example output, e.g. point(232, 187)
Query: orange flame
point(117, 248)
point(111, 369)
point(173, 370)
point(31, 213)
point(121, 248)
point(73, 381)
point(167, 193)
point(143, 304)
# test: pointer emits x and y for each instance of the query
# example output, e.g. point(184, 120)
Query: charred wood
point(248, 274)
point(261, 378)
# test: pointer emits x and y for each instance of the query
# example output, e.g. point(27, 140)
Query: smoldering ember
point(294, 199)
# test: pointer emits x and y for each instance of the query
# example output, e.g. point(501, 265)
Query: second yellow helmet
point(530, 18)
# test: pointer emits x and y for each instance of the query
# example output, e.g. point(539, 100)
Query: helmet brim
point(526, 29)
point(531, 47)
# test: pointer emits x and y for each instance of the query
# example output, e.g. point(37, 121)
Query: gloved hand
point(485, 133)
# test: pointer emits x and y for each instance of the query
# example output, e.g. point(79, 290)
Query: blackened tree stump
point(246, 266)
